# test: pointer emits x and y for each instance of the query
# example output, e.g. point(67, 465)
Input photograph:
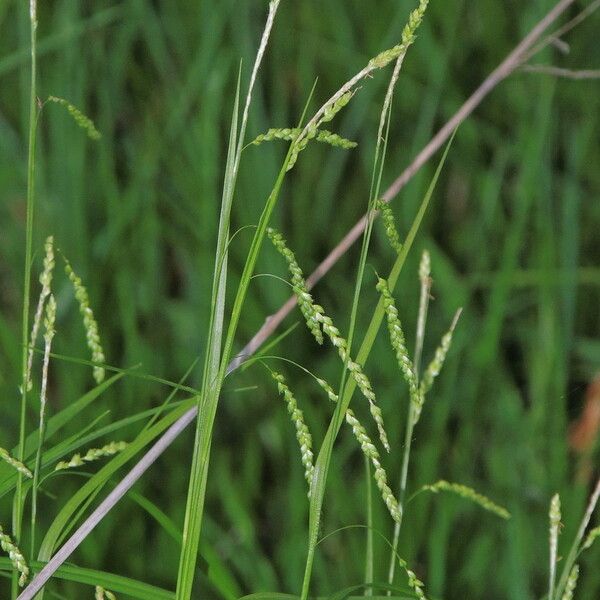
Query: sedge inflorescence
point(14, 463)
point(89, 322)
point(469, 494)
point(15, 555)
point(93, 454)
point(302, 433)
point(103, 594)
point(77, 115)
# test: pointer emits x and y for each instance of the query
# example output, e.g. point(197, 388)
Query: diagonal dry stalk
point(521, 53)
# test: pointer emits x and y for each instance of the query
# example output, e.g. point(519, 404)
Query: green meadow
point(133, 151)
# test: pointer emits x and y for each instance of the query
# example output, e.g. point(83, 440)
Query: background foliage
point(513, 234)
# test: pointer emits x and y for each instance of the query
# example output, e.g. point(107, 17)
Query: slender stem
point(42, 428)
point(18, 503)
point(369, 546)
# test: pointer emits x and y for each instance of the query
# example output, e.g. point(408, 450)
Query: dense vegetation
point(512, 230)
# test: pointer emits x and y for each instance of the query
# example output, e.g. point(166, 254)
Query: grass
point(511, 235)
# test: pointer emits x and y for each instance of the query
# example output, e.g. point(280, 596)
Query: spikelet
point(282, 133)
point(415, 584)
point(554, 517)
point(103, 594)
point(589, 540)
point(335, 106)
point(328, 389)
point(335, 140)
point(379, 475)
point(305, 301)
point(389, 224)
point(302, 433)
point(329, 112)
point(571, 583)
point(89, 322)
point(399, 345)
point(14, 463)
point(408, 37)
point(46, 281)
point(80, 119)
point(15, 556)
point(91, 455)
point(436, 364)
point(470, 494)
point(290, 133)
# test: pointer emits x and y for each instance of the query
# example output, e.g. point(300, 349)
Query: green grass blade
point(91, 577)
point(63, 519)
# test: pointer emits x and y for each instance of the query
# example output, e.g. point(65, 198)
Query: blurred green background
point(513, 233)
